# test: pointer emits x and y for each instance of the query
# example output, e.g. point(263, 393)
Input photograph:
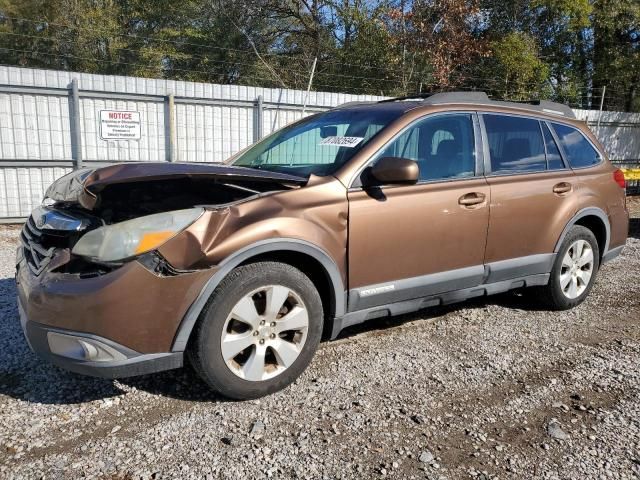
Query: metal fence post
point(604, 89)
point(170, 129)
point(258, 124)
point(76, 133)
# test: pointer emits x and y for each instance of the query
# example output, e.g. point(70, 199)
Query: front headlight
point(133, 237)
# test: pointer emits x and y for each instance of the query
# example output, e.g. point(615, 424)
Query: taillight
point(618, 176)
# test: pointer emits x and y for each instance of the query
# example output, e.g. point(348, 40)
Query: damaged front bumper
point(117, 324)
point(92, 355)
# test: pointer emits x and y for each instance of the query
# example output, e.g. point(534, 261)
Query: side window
point(442, 145)
point(404, 146)
point(515, 144)
point(439, 137)
point(554, 160)
point(579, 151)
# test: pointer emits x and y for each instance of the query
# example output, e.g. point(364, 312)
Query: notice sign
point(119, 125)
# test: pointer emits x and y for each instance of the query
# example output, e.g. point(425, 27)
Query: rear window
point(578, 150)
point(515, 144)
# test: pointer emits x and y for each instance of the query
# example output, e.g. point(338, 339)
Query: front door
point(412, 241)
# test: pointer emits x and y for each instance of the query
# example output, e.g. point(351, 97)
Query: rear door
point(531, 189)
point(411, 241)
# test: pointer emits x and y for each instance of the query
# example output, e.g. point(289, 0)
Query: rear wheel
point(574, 270)
point(259, 331)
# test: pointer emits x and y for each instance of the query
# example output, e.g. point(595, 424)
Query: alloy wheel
point(265, 332)
point(576, 269)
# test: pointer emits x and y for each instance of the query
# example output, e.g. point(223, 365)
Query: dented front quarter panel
point(316, 213)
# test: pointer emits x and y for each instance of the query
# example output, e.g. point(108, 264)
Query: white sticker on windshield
point(348, 142)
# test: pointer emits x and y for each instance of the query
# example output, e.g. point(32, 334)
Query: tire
point(230, 318)
point(558, 294)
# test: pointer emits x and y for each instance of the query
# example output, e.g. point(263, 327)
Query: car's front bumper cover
point(93, 355)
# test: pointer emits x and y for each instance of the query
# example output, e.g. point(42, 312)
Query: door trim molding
point(386, 293)
point(414, 287)
point(519, 267)
point(408, 306)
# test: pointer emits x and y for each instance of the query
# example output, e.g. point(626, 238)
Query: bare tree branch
point(253, 47)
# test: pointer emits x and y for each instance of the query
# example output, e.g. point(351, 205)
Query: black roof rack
point(414, 96)
point(481, 98)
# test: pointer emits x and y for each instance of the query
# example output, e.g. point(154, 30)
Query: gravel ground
point(488, 389)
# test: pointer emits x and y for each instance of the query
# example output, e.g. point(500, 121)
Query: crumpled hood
point(84, 185)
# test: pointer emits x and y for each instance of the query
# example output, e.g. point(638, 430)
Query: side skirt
point(407, 306)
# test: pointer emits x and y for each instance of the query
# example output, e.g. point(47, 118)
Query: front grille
point(59, 229)
point(35, 253)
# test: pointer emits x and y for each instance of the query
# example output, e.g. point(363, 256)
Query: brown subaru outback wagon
point(364, 211)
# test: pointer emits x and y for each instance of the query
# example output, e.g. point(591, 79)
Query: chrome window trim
point(521, 173)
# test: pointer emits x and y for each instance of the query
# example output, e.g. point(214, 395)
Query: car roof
point(385, 105)
point(407, 103)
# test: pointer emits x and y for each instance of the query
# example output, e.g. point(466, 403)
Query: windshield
point(320, 144)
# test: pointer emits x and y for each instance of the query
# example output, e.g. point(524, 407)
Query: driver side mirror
point(394, 170)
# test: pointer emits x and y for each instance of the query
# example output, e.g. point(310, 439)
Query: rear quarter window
point(578, 150)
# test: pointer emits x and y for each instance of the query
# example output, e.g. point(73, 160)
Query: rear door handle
point(472, 199)
point(562, 188)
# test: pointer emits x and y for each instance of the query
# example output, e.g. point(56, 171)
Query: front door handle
point(472, 199)
point(562, 188)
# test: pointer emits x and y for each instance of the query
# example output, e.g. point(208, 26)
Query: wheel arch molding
point(579, 218)
point(245, 255)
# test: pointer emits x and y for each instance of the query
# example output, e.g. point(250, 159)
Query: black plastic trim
point(449, 281)
point(611, 254)
point(415, 287)
point(398, 308)
point(585, 212)
point(519, 267)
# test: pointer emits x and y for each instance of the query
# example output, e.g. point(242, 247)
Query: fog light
point(82, 348)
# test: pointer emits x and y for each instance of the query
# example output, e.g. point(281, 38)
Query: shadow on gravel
point(634, 228)
point(513, 300)
point(26, 377)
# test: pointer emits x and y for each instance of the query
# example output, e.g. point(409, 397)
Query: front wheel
point(574, 270)
point(259, 331)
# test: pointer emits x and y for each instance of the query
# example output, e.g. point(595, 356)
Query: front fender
point(244, 254)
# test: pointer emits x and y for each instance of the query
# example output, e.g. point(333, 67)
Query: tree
point(443, 33)
point(567, 50)
point(616, 55)
point(518, 69)
point(556, 31)
point(35, 33)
